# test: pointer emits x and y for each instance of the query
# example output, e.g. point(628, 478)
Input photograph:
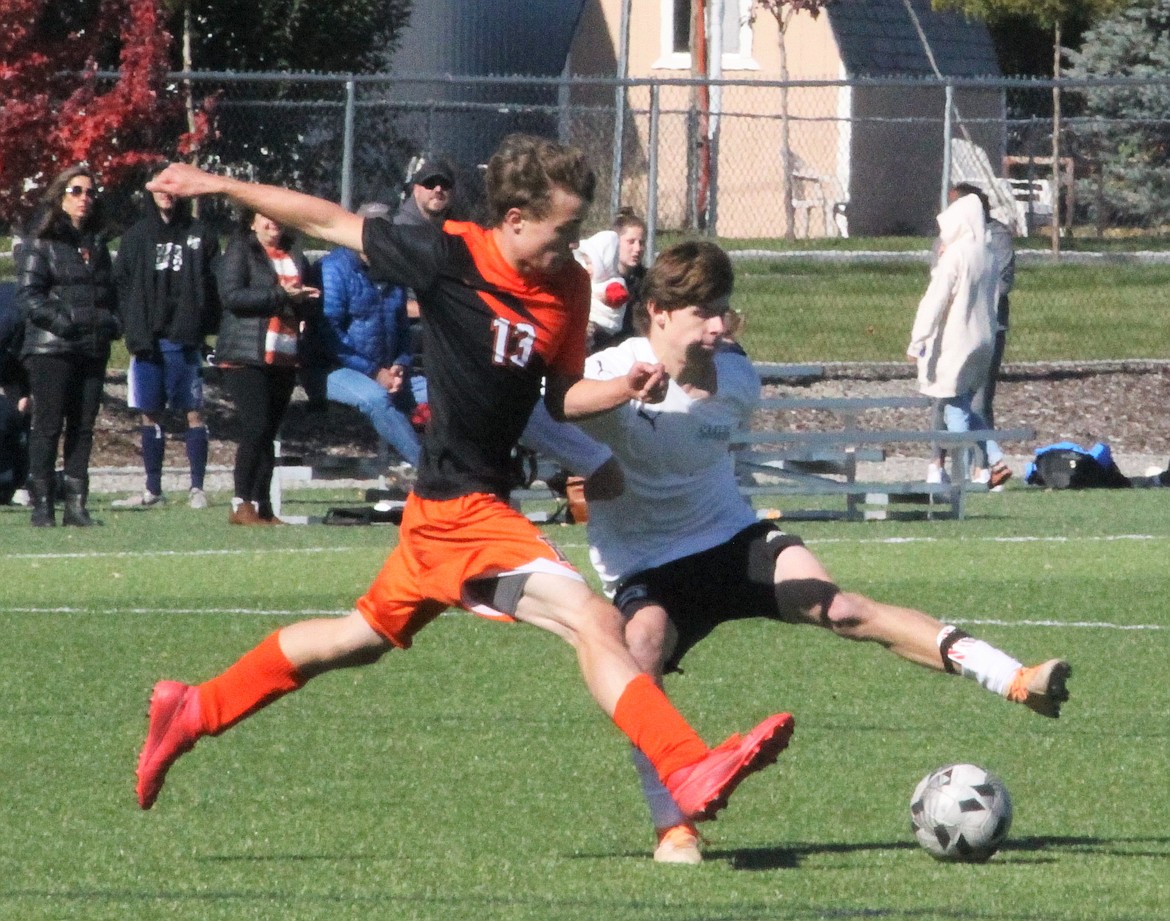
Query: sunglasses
point(437, 183)
point(78, 190)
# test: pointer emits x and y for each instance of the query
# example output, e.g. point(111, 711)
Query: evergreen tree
point(1127, 128)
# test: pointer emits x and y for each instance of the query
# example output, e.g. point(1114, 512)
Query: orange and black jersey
point(492, 335)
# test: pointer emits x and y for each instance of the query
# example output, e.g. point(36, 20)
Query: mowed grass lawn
point(472, 777)
point(818, 311)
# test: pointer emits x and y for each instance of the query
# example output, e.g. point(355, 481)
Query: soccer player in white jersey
point(683, 551)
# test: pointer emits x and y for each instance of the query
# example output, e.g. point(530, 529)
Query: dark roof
point(877, 38)
point(488, 37)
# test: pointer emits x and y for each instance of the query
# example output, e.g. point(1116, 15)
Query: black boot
point(43, 511)
point(76, 492)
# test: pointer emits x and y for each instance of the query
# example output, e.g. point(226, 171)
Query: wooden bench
point(941, 500)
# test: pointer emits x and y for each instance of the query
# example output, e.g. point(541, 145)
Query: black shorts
point(732, 581)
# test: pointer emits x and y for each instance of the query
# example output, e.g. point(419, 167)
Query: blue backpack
point(1066, 465)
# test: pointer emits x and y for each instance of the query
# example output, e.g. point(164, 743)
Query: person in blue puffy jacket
point(361, 347)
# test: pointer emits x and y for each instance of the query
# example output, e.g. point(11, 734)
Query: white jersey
point(680, 492)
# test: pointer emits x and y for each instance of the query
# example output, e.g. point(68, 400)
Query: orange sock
point(258, 678)
point(645, 715)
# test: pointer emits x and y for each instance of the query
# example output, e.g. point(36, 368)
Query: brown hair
point(689, 273)
point(627, 217)
point(51, 219)
point(524, 170)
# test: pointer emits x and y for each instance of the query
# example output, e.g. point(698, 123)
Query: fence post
point(347, 148)
point(619, 110)
point(652, 175)
point(949, 96)
point(714, 75)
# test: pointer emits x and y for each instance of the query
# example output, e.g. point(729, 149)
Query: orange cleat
point(1041, 688)
point(175, 726)
point(703, 788)
point(678, 844)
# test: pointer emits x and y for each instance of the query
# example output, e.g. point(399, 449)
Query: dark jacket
point(12, 374)
point(166, 286)
point(250, 294)
point(66, 294)
point(364, 326)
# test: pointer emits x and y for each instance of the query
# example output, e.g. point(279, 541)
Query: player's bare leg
point(651, 638)
point(804, 587)
point(700, 779)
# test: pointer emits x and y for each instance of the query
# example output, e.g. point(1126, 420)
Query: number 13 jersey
point(491, 336)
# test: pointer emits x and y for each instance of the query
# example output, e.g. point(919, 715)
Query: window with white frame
point(675, 34)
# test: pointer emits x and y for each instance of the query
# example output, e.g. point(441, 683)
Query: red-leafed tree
point(55, 109)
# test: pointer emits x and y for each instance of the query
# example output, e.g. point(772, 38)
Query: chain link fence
point(757, 163)
point(748, 160)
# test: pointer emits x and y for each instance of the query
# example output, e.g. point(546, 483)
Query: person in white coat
point(607, 309)
point(953, 336)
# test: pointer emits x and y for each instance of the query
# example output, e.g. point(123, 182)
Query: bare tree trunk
point(188, 92)
point(1056, 170)
point(786, 183)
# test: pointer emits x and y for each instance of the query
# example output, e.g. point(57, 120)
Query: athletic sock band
point(653, 724)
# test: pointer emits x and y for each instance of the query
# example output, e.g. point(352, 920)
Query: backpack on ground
point(1066, 465)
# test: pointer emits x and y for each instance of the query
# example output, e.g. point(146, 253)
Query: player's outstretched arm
point(314, 217)
point(643, 382)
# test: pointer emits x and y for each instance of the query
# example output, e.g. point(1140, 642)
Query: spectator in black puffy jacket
point(66, 294)
point(266, 300)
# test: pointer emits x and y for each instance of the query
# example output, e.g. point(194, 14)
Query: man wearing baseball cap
point(430, 193)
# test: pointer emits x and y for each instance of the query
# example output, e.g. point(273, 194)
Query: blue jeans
point(389, 413)
point(956, 415)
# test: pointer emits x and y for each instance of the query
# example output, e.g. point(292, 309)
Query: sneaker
point(175, 726)
point(1041, 688)
point(937, 474)
point(22, 498)
point(703, 788)
point(678, 844)
point(197, 498)
point(1000, 473)
point(145, 499)
point(246, 514)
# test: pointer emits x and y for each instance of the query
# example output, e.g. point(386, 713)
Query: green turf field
point(472, 778)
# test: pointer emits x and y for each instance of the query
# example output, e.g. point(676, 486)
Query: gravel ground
point(1120, 403)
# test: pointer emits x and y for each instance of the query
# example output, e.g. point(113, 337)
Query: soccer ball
point(961, 812)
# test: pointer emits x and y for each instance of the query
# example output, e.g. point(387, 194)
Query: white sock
point(976, 659)
point(663, 810)
point(236, 503)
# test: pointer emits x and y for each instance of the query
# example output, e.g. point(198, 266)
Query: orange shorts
point(445, 544)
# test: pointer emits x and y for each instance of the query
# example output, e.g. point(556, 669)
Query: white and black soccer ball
point(961, 812)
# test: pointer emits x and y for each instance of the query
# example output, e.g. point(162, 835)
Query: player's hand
point(647, 382)
point(184, 181)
